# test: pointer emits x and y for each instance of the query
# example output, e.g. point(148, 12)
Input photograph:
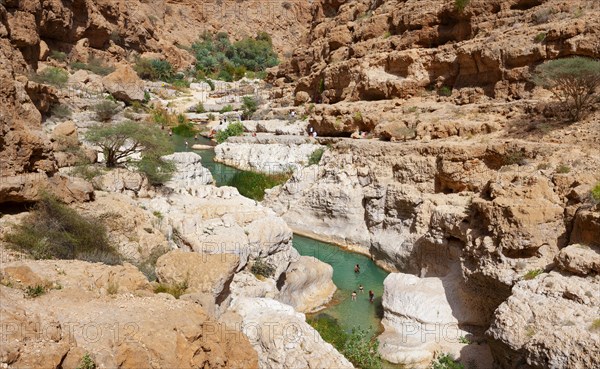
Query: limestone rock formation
point(282, 337)
point(124, 84)
point(201, 273)
point(423, 316)
point(308, 285)
point(549, 322)
point(121, 331)
point(189, 172)
point(266, 154)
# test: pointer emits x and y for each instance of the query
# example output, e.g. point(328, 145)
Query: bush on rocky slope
point(51, 76)
point(357, 346)
point(574, 82)
point(218, 57)
point(55, 231)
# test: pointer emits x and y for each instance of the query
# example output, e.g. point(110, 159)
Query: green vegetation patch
point(357, 346)
point(54, 231)
point(254, 184)
point(218, 57)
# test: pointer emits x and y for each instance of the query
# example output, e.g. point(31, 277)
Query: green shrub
point(540, 37)
point(262, 268)
point(199, 108)
point(460, 5)
point(357, 346)
point(573, 81)
point(217, 56)
point(226, 109)
point(515, 157)
point(157, 170)
point(61, 111)
point(154, 70)
point(595, 193)
point(233, 129)
point(249, 106)
point(563, 169)
point(35, 291)
point(148, 265)
point(186, 129)
point(445, 91)
point(105, 110)
point(58, 55)
point(595, 326)
point(55, 231)
point(446, 361)
point(532, 274)
point(181, 84)
point(254, 184)
point(86, 362)
point(176, 290)
point(94, 65)
point(86, 171)
point(211, 117)
point(315, 157)
point(51, 76)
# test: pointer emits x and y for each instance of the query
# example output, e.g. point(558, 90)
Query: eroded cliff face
point(376, 50)
point(428, 208)
point(114, 29)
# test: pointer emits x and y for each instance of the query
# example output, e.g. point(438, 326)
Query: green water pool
point(350, 314)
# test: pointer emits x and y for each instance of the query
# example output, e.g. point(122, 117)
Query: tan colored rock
point(124, 84)
point(44, 51)
point(201, 273)
point(80, 51)
point(308, 285)
point(122, 181)
point(57, 328)
point(547, 322)
point(579, 259)
point(135, 231)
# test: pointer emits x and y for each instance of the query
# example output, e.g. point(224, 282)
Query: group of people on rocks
point(361, 288)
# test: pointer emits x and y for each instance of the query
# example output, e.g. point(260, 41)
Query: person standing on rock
point(357, 269)
point(371, 296)
point(353, 295)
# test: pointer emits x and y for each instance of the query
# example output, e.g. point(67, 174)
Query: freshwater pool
point(350, 314)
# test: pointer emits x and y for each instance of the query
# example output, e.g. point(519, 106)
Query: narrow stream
point(350, 314)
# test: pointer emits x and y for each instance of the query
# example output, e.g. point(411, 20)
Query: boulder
point(201, 273)
point(550, 321)
point(308, 285)
point(122, 181)
point(80, 52)
point(189, 174)
point(282, 338)
point(579, 259)
point(124, 84)
point(44, 51)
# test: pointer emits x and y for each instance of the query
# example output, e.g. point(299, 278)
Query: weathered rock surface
point(424, 315)
point(124, 84)
point(548, 322)
point(270, 154)
point(200, 273)
point(282, 337)
point(425, 207)
point(579, 259)
point(119, 332)
point(189, 172)
point(308, 285)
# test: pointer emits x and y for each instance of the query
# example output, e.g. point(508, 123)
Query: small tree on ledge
point(118, 141)
point(574, 82)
